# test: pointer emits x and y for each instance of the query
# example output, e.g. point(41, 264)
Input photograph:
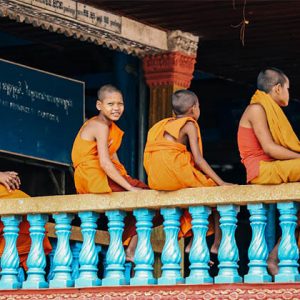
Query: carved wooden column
point(168, 72)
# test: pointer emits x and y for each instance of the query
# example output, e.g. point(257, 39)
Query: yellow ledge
point(211, 196)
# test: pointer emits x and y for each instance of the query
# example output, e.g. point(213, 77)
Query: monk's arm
point(101, 135)
point(200, 162)
point(258, 120)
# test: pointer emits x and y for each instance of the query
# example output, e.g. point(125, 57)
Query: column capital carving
point(173, 68)
point(184, 42)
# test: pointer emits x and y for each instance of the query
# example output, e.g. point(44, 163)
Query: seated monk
point(9, 188)
point(269, 148)
point(95, 159)
point(173, 158)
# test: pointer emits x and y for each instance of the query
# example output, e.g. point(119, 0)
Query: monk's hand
point(10, 180)
point(227, 183)
point(134, 189)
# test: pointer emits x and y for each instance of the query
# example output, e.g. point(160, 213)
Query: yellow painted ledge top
point(211, 196)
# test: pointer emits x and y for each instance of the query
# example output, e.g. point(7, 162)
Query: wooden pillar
point(166, 73)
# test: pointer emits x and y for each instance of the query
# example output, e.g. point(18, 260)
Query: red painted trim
point(205, 291)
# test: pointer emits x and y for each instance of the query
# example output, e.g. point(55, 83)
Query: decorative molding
point(173, 68)
point(246, 291)
point(183, 42)
point(134, 37)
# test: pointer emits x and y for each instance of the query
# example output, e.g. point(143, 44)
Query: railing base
point(228, 279)
point(10, 285)
point(143, 281)
point(61, 283)
point(287, 278)
point(257, 278)
point(87, 282)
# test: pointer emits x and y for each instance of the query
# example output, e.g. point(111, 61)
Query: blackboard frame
point(82, 118)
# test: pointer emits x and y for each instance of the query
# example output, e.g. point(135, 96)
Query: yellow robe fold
point(277, 171)
point(170, 166)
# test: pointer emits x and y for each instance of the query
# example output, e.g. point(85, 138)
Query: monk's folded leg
point(278, 171)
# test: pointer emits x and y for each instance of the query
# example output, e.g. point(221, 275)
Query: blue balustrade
point(88, 256)
point(144, 255)
point(258, 250)
point(63, 257)
point(171, 256)
point(115, 256)
point(228, 252)
point(36, 261)
point(10, 259)
point(75, 248)
point(51, 255)
point(288, 252)
point(199, 253)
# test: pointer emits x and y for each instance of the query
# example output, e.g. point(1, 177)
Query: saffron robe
point(277, 171)
point(91, 178)
point(251, 152)
point(170, 166)
point(23, 241)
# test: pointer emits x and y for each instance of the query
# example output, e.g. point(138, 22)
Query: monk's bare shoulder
point(252, 113)
point(94, 129)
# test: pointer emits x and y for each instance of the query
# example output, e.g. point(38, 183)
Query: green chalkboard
point(40, 113)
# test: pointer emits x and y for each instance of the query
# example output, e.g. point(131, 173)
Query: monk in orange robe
point(94, 156)
point(9, 188)
point(269, 148)
point(173, 157)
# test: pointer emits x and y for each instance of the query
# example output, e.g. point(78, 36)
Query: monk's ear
point(277, 88)
point(98, 105)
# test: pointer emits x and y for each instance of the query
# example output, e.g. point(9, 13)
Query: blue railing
point(76, 264)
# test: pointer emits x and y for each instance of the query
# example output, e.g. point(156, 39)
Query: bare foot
point(129, 252)
point(272, 266)
point(189, 246)
point(215, 248)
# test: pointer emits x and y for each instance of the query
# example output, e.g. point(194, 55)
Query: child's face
point(112, 106)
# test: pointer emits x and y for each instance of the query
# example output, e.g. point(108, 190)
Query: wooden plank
point(128, 201)
point(102, 237)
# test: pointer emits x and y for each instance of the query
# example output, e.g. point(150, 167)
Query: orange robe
point(170, 166)
point(91, 178)
point(23, 241)
point(270, 171)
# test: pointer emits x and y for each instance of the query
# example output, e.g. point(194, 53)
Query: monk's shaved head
point(270, 77)
point(107, 89)
point(182, 101)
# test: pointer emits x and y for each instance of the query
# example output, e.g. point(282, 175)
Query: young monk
point(173, 157)
point(269, 148)
point(9, 188)
point(94, 156)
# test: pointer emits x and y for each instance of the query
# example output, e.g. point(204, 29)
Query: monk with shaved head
point(269, 148)
point(174, 160)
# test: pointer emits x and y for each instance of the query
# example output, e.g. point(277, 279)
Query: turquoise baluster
point(228, 252)
point(199, 253)
point(144, 255)
point(288, 252)
point(115, 256)
point(10, 258)
point(76, 248)
point(63, 256)
point(36, 261)
point(171, 256)
point(88, 257)
point(258, 250)
point(51, 255)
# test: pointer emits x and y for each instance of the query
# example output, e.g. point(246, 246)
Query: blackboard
point(40, 113)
